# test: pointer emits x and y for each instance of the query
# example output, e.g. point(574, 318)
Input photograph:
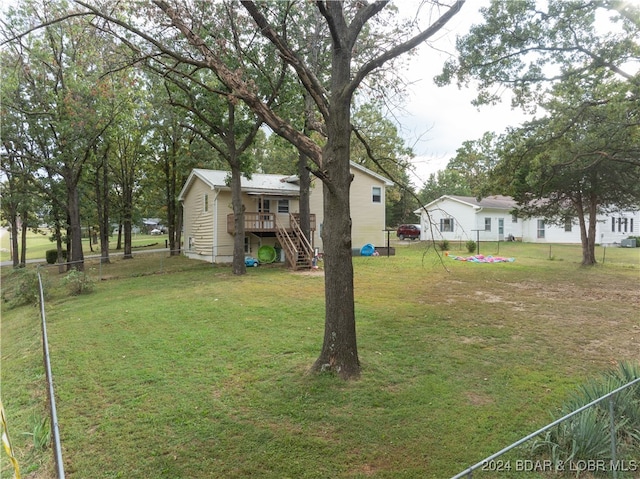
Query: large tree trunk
point(587, 232)
point(239, 266)
point(76, 258)
point(102, 200)
point(127, 198)
point(13, 232)
point(339, 349)
point(23, 242)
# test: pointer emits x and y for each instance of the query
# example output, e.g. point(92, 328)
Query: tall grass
point(587, 436)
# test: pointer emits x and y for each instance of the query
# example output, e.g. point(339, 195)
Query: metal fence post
point(612, 426)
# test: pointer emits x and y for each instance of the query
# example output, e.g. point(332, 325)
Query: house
point(462, 218)
point(272, 205)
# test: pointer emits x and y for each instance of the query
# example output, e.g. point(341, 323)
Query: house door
point(264, 210)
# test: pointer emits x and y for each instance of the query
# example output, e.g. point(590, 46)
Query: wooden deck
point(266, 222)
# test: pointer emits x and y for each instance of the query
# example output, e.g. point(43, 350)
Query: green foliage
point(637, 238)
point(443, 244)
point(471, 246)
point(40, 432)
point(23, 288)
point(587, 435)
point(78, 282)
point(52, 256)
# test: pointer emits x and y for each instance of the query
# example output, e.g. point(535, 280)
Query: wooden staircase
point(298, 252)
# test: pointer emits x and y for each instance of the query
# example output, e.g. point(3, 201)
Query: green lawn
point(39, 243)
point(201, 374)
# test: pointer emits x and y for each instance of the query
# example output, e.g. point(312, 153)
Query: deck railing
point(265, 222)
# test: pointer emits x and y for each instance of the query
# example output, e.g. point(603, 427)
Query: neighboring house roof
point(260, 184)
point(496, 202)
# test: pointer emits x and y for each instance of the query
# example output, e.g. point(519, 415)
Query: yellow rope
point(6, 442)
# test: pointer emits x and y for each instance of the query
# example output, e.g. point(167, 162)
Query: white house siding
point(468, 216)
point(468, 222)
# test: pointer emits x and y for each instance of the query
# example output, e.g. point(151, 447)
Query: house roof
point(260, 183)
point(497, 202)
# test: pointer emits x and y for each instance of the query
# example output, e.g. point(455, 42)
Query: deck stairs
point(298, 252)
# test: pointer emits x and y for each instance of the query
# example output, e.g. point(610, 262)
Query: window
point(613, 225)
point(206, 202)
point(264, 205)
point(247, 245)
point(376, 194)
point(487, 224)
point(501, 226)
point(630, 225)
point(514, 218)
point(446, 224)
point(540, 228)
point(567, 225)
point(283, 206)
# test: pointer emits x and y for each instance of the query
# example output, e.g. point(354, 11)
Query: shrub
point(637, 238)
point(471, 246)
point(443, 245)
point(587, 436)
point(23, 288)
point(52, 256)
point(78, 282)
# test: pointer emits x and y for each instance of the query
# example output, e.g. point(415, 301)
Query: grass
point(39, 243)
point(199, 373)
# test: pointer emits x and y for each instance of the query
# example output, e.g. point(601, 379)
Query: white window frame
point(376, 198)
point(283, 206)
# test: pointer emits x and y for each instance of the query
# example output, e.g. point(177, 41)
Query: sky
point(437, 120)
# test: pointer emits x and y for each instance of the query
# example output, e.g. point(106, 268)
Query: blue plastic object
point(367, 250)
point(251, 262)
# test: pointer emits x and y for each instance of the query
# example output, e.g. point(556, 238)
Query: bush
point(471, 246)
point(23, 288)
point(52, 256)
point(586, 436)
point(78, 282)
point(443, 245)
point(637, 238)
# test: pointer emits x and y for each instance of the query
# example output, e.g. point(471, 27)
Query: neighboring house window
point(567, 225)
point(631, 225)
point(501, 226)
point(376, 194)
point(613, 225)
point(206, 202)
point(514, 218)
point(487, 224)
point(283, 206)
point(446, 225)
point(540, 228)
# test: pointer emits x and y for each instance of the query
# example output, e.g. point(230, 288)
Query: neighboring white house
point(272, 205)
point(462, 218)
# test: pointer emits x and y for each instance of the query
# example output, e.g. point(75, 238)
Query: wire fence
point(611, 466)
point(55, 430)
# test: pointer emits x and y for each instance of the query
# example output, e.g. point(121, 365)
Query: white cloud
point(437, 120)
